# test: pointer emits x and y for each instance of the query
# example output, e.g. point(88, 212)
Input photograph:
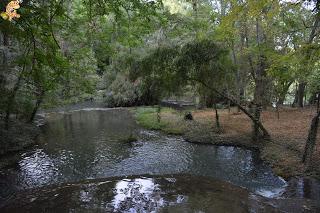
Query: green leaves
point(173, 68)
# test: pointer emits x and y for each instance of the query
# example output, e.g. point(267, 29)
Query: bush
point(122, 92)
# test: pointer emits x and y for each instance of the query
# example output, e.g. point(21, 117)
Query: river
point(77, 149)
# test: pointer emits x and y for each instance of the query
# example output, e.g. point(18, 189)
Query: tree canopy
point(136, 52)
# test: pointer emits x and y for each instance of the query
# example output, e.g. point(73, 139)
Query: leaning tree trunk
point(13, 93)
point(264, 133)
point(256, 130)
point(40, 97)
point(312, 137)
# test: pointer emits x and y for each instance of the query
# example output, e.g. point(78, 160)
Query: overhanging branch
point(257, 122)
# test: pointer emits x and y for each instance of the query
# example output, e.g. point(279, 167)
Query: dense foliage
point(135, 52)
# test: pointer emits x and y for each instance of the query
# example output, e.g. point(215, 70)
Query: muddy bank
point(284, 160)
point(172, 193)
point(18, 137)
point(198, 133)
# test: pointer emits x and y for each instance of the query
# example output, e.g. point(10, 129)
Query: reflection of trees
point(174, 194)
point(139, 194)
point(81, 141)
point(304, 188)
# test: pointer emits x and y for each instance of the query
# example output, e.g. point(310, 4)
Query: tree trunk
point(313, 33)
point(241, 97)
point(256, 130)
point(318, 103)
point(254, 119)
point(280, 100)
point(40, 97)
point(278, 112)
point(202, 100)
point(238, 78)
point(295, 101)
point(312, 137)
point(159, 113)
point(260, 96)
point(11, 100)
point(5, 40)
point(13, 93)
point(313, 99)
point(217, 117)
point(195, 7)
point(263, 130)
point(300, 94)
point(283, 93)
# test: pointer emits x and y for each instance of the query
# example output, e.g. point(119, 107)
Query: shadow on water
point(157, 194)
point(88, 144)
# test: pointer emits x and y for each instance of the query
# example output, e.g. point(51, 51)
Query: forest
point(240, 74)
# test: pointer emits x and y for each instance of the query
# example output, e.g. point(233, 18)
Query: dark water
point(90, 144)
point(155, 194)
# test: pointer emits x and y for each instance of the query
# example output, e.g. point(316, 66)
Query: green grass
point(147, 117)
point(169, 122)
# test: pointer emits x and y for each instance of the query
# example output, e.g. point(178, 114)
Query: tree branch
point(265, 133)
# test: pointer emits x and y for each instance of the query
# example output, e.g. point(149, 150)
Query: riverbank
point(283, 152)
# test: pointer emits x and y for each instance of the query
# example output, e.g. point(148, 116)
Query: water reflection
point(137, 195)
point(39, 166)
point(89, 144)
point(303, 188)
point(153, 194)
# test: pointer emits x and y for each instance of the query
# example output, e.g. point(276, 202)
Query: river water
point(91, 144)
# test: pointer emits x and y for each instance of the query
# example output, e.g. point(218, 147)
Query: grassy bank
point(170, 120)
point(283, 152)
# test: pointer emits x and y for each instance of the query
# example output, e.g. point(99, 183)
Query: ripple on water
point(85, 145)
point(152, 194)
